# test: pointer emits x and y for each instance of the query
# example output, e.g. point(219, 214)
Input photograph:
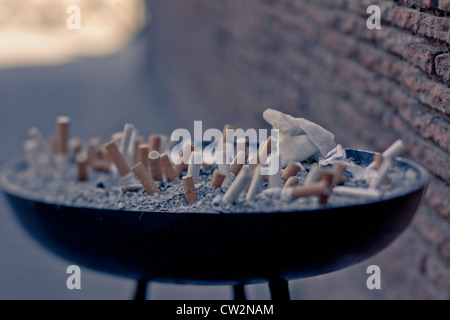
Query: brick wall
point(227, 61)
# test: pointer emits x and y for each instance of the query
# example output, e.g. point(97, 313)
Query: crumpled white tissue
point(299, 139)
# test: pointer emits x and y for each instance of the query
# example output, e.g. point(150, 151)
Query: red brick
point(443, 66)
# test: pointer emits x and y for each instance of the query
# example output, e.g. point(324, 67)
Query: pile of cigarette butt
point(141, 164)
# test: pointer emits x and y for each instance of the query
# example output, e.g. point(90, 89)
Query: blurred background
point(161, 64)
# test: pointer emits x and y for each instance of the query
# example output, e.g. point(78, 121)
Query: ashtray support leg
point(279, 290)
point(141, 291)
point(239, 292)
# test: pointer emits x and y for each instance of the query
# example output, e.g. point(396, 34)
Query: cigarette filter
point(382, 173)
point(82, 165)
point(189, 189)
point(291, 182)
point(117, 158)
point(154, 163)
point(217, 179)
point(154, 143)
point(338, 174)
point(291, 170)
point(239, 184)
point(194, 168)
point(316, 188)
point(167, 168)
point(238, 162)
point(142, 174)
point(328, 178)
point(63, 133)
point(142, 154)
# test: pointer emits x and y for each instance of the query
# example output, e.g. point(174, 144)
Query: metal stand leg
point(141, 291)
point(279, 290)
point(239, 292)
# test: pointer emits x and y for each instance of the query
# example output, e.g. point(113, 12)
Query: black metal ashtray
point(217, 249)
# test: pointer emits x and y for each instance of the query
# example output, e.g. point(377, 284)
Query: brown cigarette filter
point(327, 177)
point(167, 168)
point(189, 189)
point(154, 143)
point(218, 177)
point(291, 170)
point(235, 167)
point(142, 154)
point(142, 174)
point(378, 160)
point(338, 174)
point(116, 156)
point(316, 188)
point(82, 166)
point(291, 182)
point(154, 163)
point(184, 166)
point(63, 133)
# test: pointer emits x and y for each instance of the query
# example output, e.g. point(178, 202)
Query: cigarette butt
point(314, 175)
point(194, 166)
point(189, 189)
point(185, 154)
point(238, 185)
point(100, 165)
point(154, 143)
point(217, 179)
point(316, 188)
point(178, 169)
point(327, 177)
point(378, 160)
point(338, 174)
point(126, 138)
point(142, 154)
point(381, 173)
point(369, 193)
point(82, 165)
point(291, 182)
point(393, 151)
point(238, 162)
point(225, 134)
point(154, 162)
point(167, 168)
point(265, 150)
point(137, 142)
point(63, 133)
point(118, 160)
point(142, 174)
point(255, 184)
point(291, 170)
